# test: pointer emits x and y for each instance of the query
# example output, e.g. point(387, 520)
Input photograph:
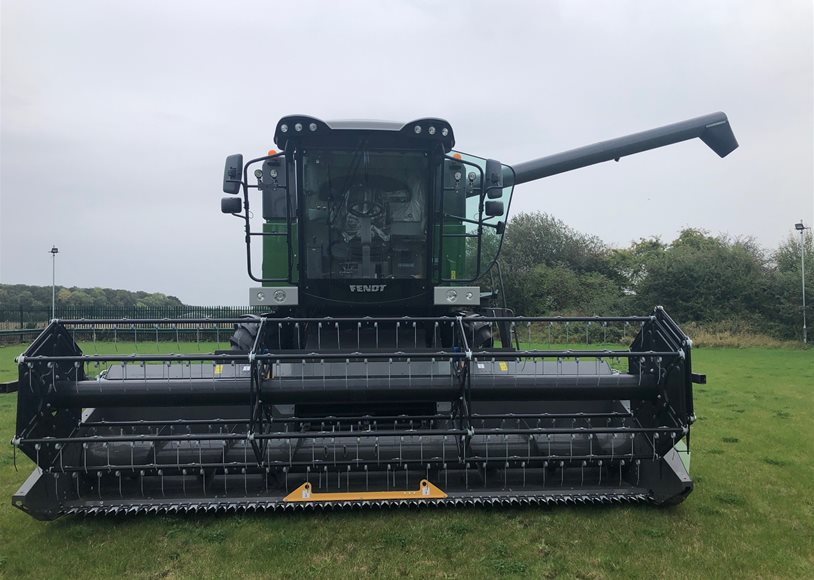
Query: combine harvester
point(380, 373)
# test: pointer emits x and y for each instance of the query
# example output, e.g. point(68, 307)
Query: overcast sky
point(116, 117)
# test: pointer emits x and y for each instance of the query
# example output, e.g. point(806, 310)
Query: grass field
point(751, 514)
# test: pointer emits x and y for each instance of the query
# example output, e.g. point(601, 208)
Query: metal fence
point(23, 317)
point(23, 324)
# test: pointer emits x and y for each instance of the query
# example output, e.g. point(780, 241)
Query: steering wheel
point(366, 209)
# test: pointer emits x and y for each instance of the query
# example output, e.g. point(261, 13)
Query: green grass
point(751, 514)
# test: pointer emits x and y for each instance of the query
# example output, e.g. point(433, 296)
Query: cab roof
point(303, 126)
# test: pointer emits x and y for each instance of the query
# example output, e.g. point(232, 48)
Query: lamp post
point(54, 252)
point(802, 229)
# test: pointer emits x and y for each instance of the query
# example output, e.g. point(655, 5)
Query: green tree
point(788, 292)
point(37, 299)
point(633, 263)
point(538, 238)
point(703, 278)
point(552, 268)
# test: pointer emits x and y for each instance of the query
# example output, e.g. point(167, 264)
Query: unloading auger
point(377, 371)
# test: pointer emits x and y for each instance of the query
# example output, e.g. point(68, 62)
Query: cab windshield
point(365, 213)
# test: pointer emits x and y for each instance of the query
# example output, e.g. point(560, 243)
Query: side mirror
point(494, 179)
point(231, 205)
point(232, 174)
point(494, 208)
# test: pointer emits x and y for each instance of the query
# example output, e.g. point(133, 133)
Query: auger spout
point(713, 129)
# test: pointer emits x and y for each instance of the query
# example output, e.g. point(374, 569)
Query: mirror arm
point(463, 219)
point(469, 221)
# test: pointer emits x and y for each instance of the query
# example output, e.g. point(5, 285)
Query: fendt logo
point(367, 287)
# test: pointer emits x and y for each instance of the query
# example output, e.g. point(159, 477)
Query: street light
point(802, 229)
point(54, 252)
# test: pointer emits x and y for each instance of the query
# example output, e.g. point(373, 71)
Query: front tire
point(245, 334)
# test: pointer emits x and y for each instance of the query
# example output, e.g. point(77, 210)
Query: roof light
point(456, 155)
point(417, 129)
point(431, 130)
point(298, 127)
point(284, 128)
point(444, 131)
point(273, 151)
point(312, 127)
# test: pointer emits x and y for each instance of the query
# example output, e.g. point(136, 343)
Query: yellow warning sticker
point(503, 366)
point(218, 369)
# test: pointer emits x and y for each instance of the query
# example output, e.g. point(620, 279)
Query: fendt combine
point(383, 367)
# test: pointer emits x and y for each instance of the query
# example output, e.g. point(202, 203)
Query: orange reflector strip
point(426, 490)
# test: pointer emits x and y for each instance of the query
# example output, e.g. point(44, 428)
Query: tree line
point(550, 268)
point(38, 298)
